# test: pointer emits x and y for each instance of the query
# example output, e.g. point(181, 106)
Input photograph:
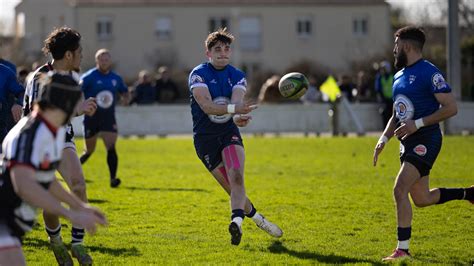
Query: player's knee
point(399, 192)
point(420, 201)
point(236, 176)
point(78, 186)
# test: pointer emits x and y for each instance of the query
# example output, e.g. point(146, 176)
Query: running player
point(101, 82)
point(64, 46)
point(32, 153)
point(217, 91)
point(422, 99)
point(8, 85)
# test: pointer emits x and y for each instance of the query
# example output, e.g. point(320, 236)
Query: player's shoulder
point(6, 70)
point(201, 68)
point(91, 72)
point(235, 69)
point(115, 75)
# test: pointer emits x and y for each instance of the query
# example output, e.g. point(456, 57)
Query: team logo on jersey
point(420, 149)
point(213, 81)
point(45, 163)
point(114, 82)
point(104, 99)
point(411, 79)
point(404, 108)
point(196, 79)
point(438, 81)
point(220, 119)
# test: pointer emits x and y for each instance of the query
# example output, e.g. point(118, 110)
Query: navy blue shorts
point(421, 149)
point(99, 122)
point(209, 150)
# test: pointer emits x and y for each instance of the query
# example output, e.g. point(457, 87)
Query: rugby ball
point(293, 85)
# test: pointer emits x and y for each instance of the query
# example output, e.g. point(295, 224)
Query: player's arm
point(204, 99)
point(448, 109)
point(386, 135)
point(28, 189)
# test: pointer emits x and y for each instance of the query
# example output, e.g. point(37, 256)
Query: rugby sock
point(447, 194)
point(238, 216)
point(77, 235)
point(84, 157)
point(252, 212)
point(404, 235)
point(112, 161)
point(54, 234)
point(469, 193)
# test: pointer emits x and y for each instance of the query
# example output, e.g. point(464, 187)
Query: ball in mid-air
point(293, 85)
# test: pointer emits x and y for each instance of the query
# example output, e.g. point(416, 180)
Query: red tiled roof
point(227, 2)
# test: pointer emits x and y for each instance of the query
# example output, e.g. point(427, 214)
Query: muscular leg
point(89, 148)
point(421, 194)
point(407, 176)
point(234, 159)
point(110, 138)
point(220, 175)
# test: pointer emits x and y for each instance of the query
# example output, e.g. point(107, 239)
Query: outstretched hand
point(378, 149)
point(89, 106)
point(88, 217)
point(245, 108)
point(242, 120)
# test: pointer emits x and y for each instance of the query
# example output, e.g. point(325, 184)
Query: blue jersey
point(414, 90)
point(221, 84)
point(104, 87)
point(9, 64)
point(8, 83)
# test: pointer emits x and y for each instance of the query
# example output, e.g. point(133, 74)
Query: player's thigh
point(421, 189)
point(407, 176)
point(221, 177)
point(70, 168)
point(109, 138)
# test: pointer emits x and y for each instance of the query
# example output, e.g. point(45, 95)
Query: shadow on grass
point(168, 189)
point(278, 248)
point(127, 252)
point(97, 201)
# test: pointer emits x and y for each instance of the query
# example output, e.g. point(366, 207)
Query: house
point(270, 34)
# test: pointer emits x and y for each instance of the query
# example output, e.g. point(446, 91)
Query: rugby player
point(422, 99)
point(32, 153)
point(217, 91)
point(8, 85)
point(103, 84)
point(64, 46)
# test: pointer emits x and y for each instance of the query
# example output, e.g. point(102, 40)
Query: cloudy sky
point(412, 7)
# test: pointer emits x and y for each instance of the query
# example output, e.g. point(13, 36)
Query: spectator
point(144, 92)
point(312, 95)
point(347, 87)
point(383, 88)
point(166, 89)
point(363, 87)
point(269, 93)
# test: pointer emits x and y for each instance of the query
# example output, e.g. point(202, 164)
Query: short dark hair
point(61, 40)
point(221, 35)
point(414, 34)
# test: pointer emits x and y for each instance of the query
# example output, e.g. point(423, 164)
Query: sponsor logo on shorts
point(420, 149)
point(235, 138)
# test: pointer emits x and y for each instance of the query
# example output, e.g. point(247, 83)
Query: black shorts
point(209, 150)
point(421, 150)
point(99, 122)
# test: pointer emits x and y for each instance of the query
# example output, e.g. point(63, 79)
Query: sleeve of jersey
point(196, 80)
point(29, 97)
point(123, 88)
point(240, 82)
point(19, 151)
point(438, 84)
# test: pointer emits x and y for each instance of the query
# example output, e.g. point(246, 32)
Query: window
point(304, 26)
point(216, 23)
point(163, 28)
point(250, 34)
point(359, 26)
point(104, 28)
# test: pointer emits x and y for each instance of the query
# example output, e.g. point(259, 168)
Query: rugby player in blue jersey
point(422, 99)
point(217, 91)
point(103, 84)
point(8, 85)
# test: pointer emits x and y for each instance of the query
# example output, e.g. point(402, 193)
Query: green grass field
point(333, 206)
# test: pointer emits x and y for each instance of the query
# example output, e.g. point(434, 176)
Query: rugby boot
point(397, 254)
point(61, 253)
point(115, 182)
point(236, 233)
point(269, 227)
point(80, 253)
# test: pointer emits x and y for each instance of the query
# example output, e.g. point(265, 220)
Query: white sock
point(403, 244)
point(238, 221)
point(54, 237)
point(257, 218)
